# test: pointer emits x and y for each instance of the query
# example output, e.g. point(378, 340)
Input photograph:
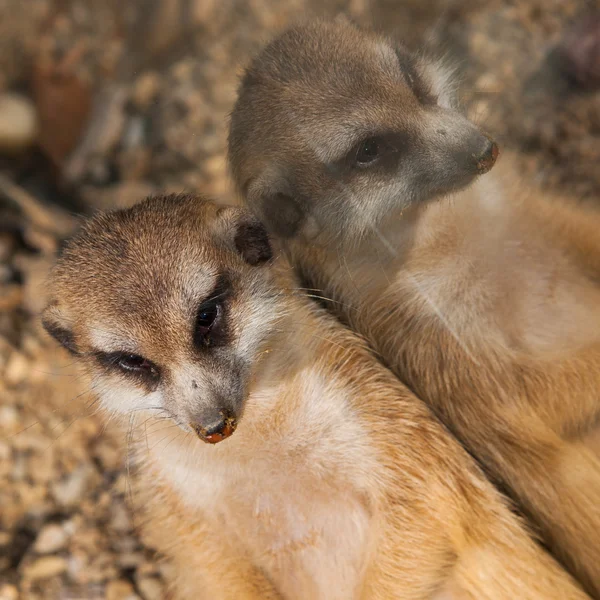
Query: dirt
point(124, 99)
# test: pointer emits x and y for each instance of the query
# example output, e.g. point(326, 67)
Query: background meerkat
point(335, 482)
point(486, 303)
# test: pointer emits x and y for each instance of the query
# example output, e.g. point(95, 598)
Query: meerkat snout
point(488, 155)
point(170, 305)
point(215, 426)
point(341, 127)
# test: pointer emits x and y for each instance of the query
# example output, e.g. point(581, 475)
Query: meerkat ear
point(246, 234)
point(280, 212)
point(54, 322)
point(252, 242)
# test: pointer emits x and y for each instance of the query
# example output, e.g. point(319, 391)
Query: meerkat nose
point(487, 158)
point(216, 430)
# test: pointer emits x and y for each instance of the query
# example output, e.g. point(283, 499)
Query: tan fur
point(486, 302)
point(338, 482)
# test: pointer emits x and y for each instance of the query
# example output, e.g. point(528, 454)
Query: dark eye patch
point(63, 336)
point(379, 150)
point(369, 151)
point(210, 327)
point(421, 90)
point(130, 364)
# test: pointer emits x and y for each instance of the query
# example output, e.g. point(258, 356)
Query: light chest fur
point(290, 487)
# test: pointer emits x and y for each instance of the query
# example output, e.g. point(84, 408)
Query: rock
point(151, 588)
point(18, 123)
point(102, 133)
point(5, 465)
point(31, 344)
point(50, 539)
point(20, 469)
point(41, 465)
point(216, 166)
point(109, 455)
point(120, 590)
point(120, 520)
point(130, 560)
point(134, 163)
point(9, 592)
point(9, 417)
point(16, 369)
point(64, 101)
point(48, 566)
point(122, 195)
point(69, 491)
point(30, 439)
point(581, 51)
point(145, 90)
point(7, 274)
point(41, 240)
point(11, 296)
point(77, 568)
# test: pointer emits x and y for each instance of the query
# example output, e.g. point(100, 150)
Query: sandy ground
point(110, 101)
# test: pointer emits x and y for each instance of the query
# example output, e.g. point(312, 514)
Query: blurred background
point(103, 102)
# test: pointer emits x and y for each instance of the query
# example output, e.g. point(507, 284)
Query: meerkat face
point(170, 305)
point(338, 127)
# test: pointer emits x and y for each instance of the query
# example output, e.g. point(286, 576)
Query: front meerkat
point(329, 479)
point(485, 302)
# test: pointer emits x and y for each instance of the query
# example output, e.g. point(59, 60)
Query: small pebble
point(9, 417)
point(8, 592)
point(120, 590)
point(120, 520)
point(16, 369)
point(69, 491)
point(18, 123)
point(50, 539)
point(145, 90)
point(151, 588)
point(130, 560)
point(43, 568)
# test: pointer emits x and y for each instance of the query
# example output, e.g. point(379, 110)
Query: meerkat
point(481, 294)
point(293, 465)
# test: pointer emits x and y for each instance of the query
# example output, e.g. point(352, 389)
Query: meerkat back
point(481, 295)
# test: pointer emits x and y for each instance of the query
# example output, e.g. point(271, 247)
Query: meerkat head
point(169, 304)
point(338, 128)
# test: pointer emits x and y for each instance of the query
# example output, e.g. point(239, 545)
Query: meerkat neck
point(430, 254)
point(294, 347)
point(476, 214)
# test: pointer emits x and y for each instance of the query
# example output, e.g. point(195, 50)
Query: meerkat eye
point(368, 151)
point(133, 362)
point(208, 315)
point(210, 323)
point(129, 363)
